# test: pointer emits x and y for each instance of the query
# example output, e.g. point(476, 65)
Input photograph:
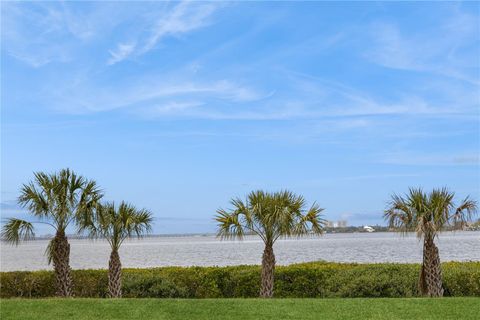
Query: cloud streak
point(441, 51)
point(122, 51)
point(152, 96)
point(305, 97)
point(29, 28)
point(183, 18)
point(39, 33)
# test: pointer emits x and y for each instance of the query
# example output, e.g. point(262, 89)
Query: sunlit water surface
point(210, 251)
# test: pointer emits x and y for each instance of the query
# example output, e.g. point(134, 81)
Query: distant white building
point(368, 229)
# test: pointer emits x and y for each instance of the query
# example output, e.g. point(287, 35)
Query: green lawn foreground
point(358, 308)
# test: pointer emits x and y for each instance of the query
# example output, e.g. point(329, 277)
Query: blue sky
point(179, 106)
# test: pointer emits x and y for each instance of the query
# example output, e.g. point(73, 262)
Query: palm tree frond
point(229, 225)
point(15, 230)
point(269, 215)
point(465, 212)
point(428, 214)
point(117, 223)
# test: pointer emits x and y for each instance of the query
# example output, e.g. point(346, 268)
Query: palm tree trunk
point(61, 265)
point(430, 283)
point(268, 269)
point(115, 275)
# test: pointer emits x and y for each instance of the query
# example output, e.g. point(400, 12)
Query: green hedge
point(316, 279)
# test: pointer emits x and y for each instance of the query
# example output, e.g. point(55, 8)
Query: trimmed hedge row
point(315, 279)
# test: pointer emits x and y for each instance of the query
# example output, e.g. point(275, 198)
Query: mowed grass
point(377, 308)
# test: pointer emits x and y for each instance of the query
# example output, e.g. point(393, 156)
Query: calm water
point(209, 251)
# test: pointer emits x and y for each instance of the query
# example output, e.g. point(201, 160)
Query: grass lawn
point(414, 308)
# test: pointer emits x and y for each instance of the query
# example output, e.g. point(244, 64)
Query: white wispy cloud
point(288, 95)
point(38, 33)
point(323, 97)
point(25, 33)
point(186, 16)
point(171, 95)
point(122, 51)
point(444, 50)
point(305, 97)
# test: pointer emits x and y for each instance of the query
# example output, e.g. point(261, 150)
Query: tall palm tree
point(428, 214)
point(59, 200)
point(270, 216)
point(115, 225)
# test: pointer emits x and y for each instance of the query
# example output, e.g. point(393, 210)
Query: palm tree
point(269, 216)
point(115, 225)
point(428, 214)
point(59, 200)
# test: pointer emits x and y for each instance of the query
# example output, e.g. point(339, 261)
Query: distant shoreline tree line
point(65, 198)
point(472, 226)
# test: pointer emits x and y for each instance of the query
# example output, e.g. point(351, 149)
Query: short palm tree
point(428, 214)
point(116, 224)
point(59, 200)
point(270, 216)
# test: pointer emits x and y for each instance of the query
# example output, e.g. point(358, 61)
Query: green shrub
point(461, 279)
point(315, 279)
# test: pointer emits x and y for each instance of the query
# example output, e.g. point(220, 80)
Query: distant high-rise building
point(336, 224)
point(329, 224)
